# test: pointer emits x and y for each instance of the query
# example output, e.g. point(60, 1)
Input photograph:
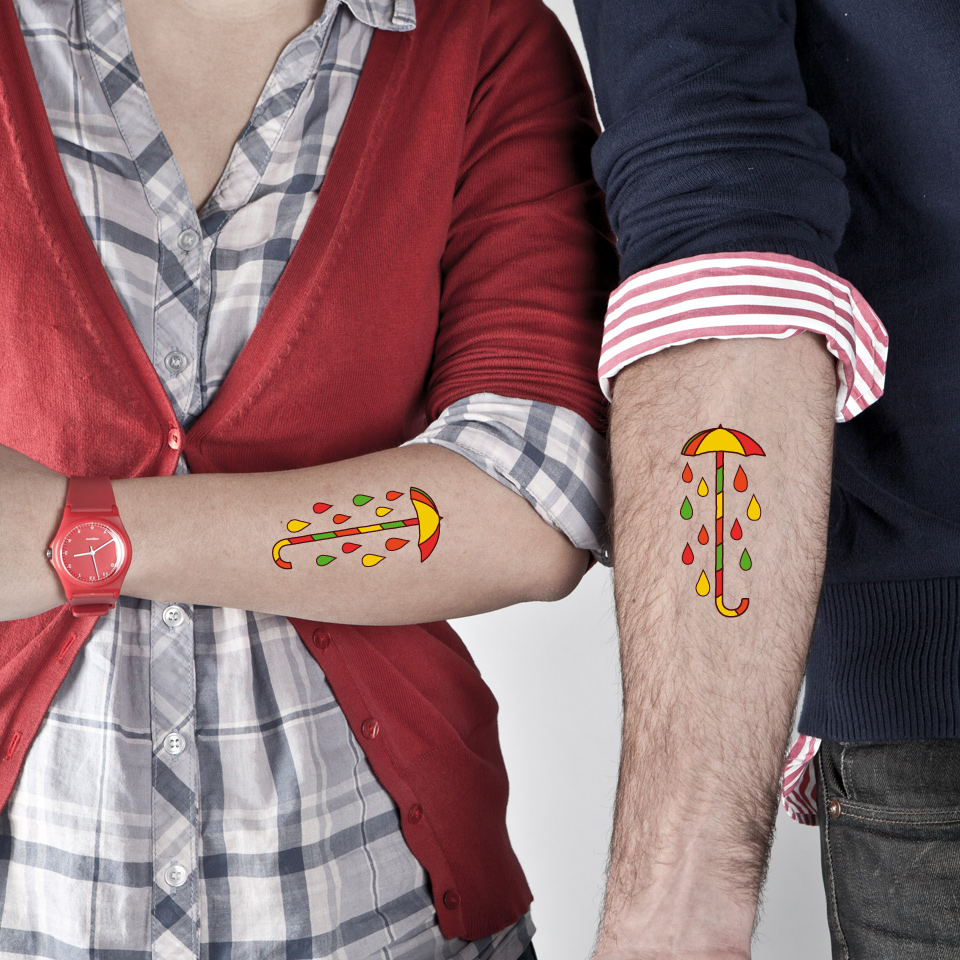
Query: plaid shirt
point(195, 790)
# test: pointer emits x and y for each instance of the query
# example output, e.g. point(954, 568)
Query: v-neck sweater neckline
point(66, 234)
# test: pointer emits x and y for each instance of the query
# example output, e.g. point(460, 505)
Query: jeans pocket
point(890, 843)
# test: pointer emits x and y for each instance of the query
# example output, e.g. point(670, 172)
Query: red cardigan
point(458, 245)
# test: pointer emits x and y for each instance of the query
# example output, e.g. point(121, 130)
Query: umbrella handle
point(277, 559)
point(727, 612)
point(744, 603)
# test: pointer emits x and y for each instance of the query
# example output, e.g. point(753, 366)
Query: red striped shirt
point(726, 295)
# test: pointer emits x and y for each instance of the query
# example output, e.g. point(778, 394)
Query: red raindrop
point(394, 495)
point(703, 536)
point(320, 507)
point(687, 554)
point(740, 480)
point(736, 532)
point(395, 543)
point(687, 474)
point(350, 547)
point(340, 518)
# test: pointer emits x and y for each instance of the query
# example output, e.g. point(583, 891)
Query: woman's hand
point(31, 505)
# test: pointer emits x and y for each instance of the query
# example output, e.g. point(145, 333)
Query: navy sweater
point(829, 130)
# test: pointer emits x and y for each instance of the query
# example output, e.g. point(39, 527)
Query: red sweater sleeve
point(529, 261)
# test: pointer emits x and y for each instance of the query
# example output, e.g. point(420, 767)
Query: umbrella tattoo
point(427, 519)
point(719, 441)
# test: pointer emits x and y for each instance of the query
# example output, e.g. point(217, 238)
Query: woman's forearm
point(210, 539)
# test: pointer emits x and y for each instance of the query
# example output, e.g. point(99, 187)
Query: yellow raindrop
point(703, 584)
point(295, 526)
point(753, 511)
point(371, 560)
point(703, 490)
point(383, 511)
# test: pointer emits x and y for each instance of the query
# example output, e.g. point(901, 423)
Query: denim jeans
point(890, 845)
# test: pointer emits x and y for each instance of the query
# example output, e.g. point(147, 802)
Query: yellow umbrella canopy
point(722, 440)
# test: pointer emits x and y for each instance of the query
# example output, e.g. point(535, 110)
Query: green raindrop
point(323, 560)
point(359, 500)
point(745, 562)
point(686, 511)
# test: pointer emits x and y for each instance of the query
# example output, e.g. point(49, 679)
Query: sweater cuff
point(729, 295)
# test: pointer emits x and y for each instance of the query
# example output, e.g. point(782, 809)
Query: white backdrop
point(554, 669)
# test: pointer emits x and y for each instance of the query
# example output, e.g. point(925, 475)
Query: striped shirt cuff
point(549, 455)
point(729, 295)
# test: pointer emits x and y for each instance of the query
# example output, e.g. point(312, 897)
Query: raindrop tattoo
point(427, 521)
point(719, 441)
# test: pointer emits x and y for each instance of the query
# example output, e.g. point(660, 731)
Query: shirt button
point(370, 728)
point(415, 813)
point(188, 239)
point(321, 638)
point(173, 616)
point(173, 743)
point(175, 874)
point(451, 899)
point(175, 361)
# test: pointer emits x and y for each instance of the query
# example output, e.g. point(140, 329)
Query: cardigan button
point(451, 899)
point(173, 438)
point(370, 728)
point(321, 638)
point(415, 813)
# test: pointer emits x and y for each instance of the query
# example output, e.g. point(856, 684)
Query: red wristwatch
point(91, 551)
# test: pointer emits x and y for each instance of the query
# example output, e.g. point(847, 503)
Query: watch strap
point(90, 495)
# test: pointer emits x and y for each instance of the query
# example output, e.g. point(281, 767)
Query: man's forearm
point(210, 539)
point(708, 694)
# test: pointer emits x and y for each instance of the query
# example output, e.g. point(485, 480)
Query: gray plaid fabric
point(195, 790)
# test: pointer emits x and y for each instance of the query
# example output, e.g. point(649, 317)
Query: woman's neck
point(204, 64)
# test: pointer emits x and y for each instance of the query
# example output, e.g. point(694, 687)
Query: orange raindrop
point(740, 481)
point(395, 543)
point(753, 511)
point(295, 526)
point(687, 474)
point(371, 560)
point(340, 518)
point(736, 532)
point(703, 489)
point(394, 495)
point(383, 511)
point(703, 584)
point(703, 536)
point(687, 554)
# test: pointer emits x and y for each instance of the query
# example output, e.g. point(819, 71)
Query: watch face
point(91, 552)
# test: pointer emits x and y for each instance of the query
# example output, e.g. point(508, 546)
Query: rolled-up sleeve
point(709, 145)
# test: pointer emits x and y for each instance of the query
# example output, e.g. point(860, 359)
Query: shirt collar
point(395, 15)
